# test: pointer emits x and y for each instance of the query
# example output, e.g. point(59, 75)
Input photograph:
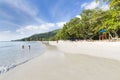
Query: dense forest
point(88, 26)
point(91, 22)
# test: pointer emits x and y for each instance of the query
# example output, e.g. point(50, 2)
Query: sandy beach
point(104, 49)
point(56, 64)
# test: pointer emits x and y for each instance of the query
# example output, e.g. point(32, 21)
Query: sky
point(23, 18)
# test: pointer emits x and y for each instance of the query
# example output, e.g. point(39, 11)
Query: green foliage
point(41, 37)
point(92, 22)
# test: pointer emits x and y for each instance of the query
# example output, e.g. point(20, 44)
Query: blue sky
point(22, 18)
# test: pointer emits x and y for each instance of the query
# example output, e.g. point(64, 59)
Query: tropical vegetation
point(91, 22)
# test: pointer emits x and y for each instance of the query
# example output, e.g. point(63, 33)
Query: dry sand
point(104, 49)
point(57, 65)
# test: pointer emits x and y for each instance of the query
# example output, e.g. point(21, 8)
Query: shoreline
point(4, 67)
point(57, 65)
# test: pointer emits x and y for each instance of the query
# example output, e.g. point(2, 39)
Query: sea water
point(12, 54)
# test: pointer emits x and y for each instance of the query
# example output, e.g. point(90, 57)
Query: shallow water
point(12, 54)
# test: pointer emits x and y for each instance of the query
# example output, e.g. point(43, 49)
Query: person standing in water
point(29, 47)
point(22, 46)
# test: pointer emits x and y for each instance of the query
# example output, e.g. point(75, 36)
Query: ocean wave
point(4, 69)
point(5, 46)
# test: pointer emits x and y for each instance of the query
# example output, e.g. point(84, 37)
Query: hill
point(41, 37)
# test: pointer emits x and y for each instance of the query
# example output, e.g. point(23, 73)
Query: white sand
point(56, 65)
point(103, 49)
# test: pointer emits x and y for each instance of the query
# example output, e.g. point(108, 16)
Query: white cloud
point(33, 29)
point(104, 7)
point(60, 24)
point(93, 5)
point(78, 16)
point(8, 35)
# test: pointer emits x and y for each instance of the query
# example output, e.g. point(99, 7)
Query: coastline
point(57, 65)
point(11, 56)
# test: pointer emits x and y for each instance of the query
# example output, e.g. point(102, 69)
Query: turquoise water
point(12, 53)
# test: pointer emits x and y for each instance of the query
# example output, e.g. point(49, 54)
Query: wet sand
point(57, 65)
